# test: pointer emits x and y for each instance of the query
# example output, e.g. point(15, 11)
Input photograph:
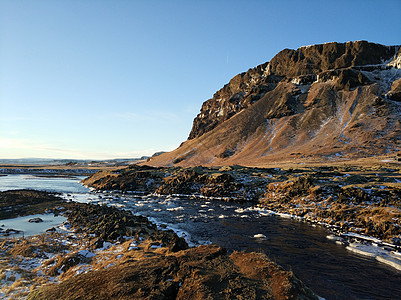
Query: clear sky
point(111, 79)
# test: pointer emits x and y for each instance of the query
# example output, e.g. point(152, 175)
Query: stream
point(326, 267)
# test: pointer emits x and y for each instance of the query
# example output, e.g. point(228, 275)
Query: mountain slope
point(332, 100)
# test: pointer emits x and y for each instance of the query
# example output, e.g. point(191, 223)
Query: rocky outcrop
point(238, 184)
point(304, 64)
point(242, 91)
point(395, 93)
point(319, 58)
point(329, 101)
point(348, 203)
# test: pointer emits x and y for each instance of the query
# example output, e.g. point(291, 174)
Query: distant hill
point(328, 101)
point(57, 162)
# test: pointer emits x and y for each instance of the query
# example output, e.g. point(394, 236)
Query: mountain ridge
point(333, 99)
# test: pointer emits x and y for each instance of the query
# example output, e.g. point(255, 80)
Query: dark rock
point(35, 220)
point(242, 91)
point(11, 231)
point(318, 58)
point(345, 79)
point(226, 153)
point(65, 263)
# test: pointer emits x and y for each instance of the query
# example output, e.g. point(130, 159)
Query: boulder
point(395, 93)
point(35, 220)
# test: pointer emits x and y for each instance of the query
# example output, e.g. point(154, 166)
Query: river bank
point(357, 203)
point(101, 242)
point(362, 199)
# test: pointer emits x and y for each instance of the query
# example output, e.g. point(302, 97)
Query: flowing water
point(328, 268)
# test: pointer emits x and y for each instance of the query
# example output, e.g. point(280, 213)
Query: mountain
point(328, 101)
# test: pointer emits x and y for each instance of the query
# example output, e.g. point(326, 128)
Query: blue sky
point(110, 79)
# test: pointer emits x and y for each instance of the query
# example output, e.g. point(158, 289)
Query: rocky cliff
point(333, 100)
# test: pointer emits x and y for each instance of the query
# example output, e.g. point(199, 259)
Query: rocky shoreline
point(108, 253)
point(365, 201)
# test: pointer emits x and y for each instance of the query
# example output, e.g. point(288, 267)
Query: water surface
point(30, 228)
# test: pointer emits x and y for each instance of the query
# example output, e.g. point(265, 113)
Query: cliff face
point(333, 100)
point(242, 91)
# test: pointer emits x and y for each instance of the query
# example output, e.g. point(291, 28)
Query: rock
point(304, 63)
point(11, 231)
point(317, 58)
point(35, 220)
point(242, 91)
point(226, 153)
point(395, 93)
point(345, 79)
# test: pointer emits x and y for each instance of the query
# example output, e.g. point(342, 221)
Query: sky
point(93, 79)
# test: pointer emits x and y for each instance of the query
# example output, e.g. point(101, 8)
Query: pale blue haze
point(109, 79)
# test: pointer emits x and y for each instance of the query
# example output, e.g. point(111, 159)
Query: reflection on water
point(329, 269)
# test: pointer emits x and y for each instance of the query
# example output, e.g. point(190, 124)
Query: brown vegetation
point(205, 272)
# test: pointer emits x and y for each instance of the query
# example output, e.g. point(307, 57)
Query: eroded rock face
point(318, 58)
point(242, 91)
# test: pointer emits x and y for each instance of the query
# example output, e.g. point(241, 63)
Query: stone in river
point(35, 220)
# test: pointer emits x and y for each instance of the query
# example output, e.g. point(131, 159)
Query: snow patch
point(390, 258)
point(259, 236)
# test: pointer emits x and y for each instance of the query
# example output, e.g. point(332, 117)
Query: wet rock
point(109, 224)
point(35, 220)
point(11, 231)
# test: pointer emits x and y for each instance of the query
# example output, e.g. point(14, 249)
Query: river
point(328, 268)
